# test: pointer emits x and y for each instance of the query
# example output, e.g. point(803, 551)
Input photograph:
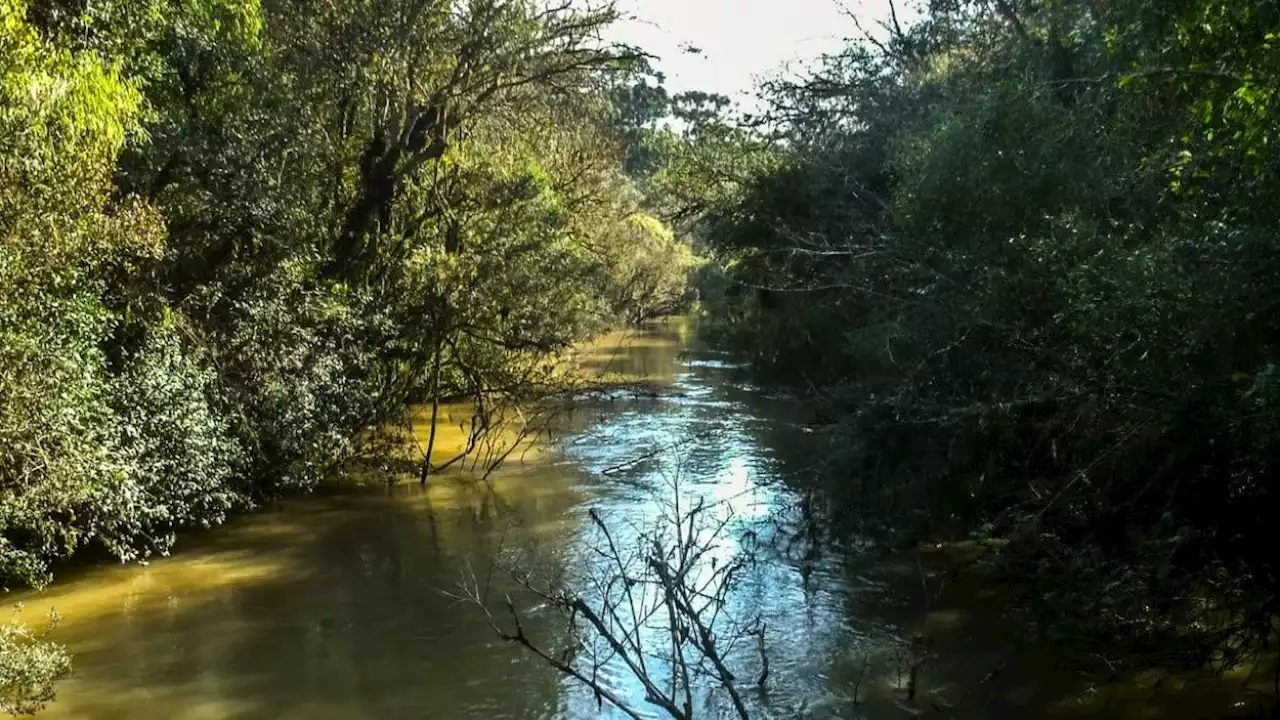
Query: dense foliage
point(235, 233)
point(1022, 253)
point(29, 667)
point(1025, 253)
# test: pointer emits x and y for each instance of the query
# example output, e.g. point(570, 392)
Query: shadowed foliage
point(1024, 257)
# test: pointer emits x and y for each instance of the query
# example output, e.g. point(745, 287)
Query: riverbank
point(981, 652)
point(144, 635)
point(334, 605)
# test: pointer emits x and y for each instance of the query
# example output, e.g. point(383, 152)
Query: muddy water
point(338, 606)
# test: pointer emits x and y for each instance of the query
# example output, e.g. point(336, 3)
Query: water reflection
point(332, 607)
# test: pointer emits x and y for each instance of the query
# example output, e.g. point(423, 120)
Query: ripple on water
point(337, 606)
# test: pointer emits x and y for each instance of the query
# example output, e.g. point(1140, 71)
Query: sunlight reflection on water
point(333, 606)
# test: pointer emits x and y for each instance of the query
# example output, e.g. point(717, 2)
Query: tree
point(237, 234)
point(1019, 253)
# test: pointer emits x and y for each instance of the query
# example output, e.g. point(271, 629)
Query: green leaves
point(65, 117)
point(233, 233)
point(29, 667)
point(1024, 268)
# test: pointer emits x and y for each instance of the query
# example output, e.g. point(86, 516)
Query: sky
point(740, 39)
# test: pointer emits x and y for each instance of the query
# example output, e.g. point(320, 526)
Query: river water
point(343, 605)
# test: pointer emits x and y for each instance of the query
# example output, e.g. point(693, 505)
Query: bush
point(185, 467)
point(29, 667)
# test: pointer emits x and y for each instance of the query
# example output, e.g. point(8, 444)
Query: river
point(342, 605)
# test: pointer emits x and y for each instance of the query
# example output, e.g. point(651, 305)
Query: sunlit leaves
point(234, 234)
point(29, 667)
